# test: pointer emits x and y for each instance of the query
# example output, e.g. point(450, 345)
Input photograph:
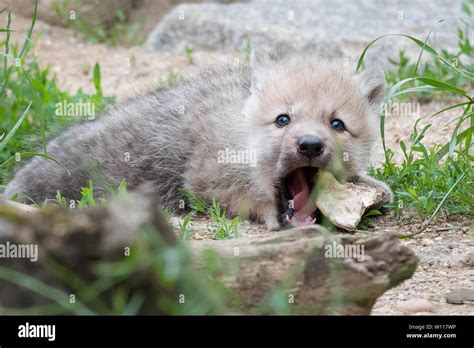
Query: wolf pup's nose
point(310, 146)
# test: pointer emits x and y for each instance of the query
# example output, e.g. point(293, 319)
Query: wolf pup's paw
point(272, 223)
point(388, 194)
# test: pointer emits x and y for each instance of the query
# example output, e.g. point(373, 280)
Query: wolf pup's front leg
point(271, 220)
point(267, 212)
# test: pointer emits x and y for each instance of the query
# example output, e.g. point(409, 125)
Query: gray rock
point(332, 28)
point(460, 296)
point(469, 260)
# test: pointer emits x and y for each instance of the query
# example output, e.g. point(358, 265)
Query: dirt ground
point(446, 249)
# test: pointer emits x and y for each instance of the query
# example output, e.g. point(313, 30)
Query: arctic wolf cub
point(251, 136)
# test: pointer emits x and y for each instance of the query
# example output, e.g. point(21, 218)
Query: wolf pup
point(251, 136)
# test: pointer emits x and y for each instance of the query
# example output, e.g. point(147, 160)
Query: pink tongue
point(299, 189)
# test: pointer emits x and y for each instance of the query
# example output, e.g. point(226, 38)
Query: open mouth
point(297, 202)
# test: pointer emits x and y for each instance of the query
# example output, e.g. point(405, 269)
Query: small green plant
point(366, 221)
point(222, 228)
point(60, 200)
point(87, 193)
point(188, 51)
point(88, 198)
point(170, 79)
point(117, 190)
point(247, 49)
point(185, 230)
point(197, 204)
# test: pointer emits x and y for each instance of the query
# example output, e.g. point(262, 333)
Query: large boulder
point(331, 28)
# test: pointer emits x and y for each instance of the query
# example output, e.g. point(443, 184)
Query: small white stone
point(415, 305)
point(426, 242)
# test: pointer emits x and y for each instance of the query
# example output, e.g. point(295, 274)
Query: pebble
point(415, 305)
point(459, 296)
point(426, 242)
point(468, 260)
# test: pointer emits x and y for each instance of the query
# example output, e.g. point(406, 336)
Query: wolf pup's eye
point(337, 125)
point(282, 120)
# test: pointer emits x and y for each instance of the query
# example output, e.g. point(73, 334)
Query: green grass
point(30, 95)
point(196, 203)
point(92, 27)
point(88, 199)
point(221, 227)
point(439, 177)
point(185, 229)
point(172, 77)
point(422, 180)
point(247, 49)
point(188, 52)
point(403, 67)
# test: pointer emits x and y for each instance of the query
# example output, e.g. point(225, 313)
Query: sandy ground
point(444, 249)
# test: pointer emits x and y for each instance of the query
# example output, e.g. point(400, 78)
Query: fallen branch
point(304, 263)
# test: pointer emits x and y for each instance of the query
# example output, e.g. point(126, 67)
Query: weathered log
point(318, 280)
point(319, 272)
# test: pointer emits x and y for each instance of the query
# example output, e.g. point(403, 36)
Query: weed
point(247, 50)
point(170, 79)
point(188, 51)
point(185, 230)
point(197, 204)
point(222, 228)
point(366, 221)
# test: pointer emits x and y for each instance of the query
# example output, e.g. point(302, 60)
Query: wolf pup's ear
point(260, 62)
point(372, 83)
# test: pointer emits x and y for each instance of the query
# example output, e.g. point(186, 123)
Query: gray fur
point(161, 139)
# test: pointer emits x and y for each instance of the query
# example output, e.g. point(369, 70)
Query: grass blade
point(443, 85)
point(451, 107)
point(424, 46)
point(32, 154)
point(40, 288)
point(7, 49)
point(445, 149)
point(15, 127)
point(26, 44)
